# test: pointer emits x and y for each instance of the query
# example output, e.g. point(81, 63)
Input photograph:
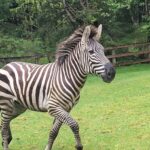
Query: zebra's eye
point(91, 52)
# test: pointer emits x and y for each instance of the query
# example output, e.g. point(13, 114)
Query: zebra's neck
point(73, 69)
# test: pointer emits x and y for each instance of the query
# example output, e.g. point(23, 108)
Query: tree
point(52, 20)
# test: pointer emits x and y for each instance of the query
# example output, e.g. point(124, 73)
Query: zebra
point(54, 87)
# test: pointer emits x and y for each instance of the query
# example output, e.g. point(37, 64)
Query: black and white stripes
point(27, 83)
point(55, 87)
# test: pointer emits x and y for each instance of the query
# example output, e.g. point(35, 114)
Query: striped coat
point(33, 85)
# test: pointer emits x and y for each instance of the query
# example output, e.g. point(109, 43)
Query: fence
point(120, 55)
point(36, 58)
point(129, 54)
point(31, 59)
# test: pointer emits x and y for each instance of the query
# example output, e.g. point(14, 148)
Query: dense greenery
point(46, 22)
point(111, 116)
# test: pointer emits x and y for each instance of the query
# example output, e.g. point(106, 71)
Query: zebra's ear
point(85, 35)
point(99, 32)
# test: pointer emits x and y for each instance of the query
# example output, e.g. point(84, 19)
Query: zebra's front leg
point(65, 117)
point(53, 134)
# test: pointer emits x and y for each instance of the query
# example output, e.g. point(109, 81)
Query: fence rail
point(119, 55)
point(34, 58)
point(127, 46)
point(128, 54)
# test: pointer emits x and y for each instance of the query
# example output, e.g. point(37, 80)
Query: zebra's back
point(28, 84)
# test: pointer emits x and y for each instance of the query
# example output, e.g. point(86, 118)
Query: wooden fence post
point(114, 61)
point(148, 40)
point(149, 49)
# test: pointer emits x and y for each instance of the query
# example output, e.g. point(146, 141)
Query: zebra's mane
point(66, 47)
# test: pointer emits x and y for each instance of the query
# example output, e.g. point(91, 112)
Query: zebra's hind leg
point(6, 134)
point(9, 111)
point(53, 134)
point(64, 117)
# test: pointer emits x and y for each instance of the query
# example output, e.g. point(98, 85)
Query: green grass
point(112, 116)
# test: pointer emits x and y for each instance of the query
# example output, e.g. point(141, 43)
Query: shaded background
point(36, 26)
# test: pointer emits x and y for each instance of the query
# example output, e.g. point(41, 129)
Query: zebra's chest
point(65, 90)
point(66, 97)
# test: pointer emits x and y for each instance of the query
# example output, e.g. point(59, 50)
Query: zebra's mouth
point(107, 78)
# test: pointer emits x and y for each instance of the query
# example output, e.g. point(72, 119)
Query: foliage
point(50, 21)
point(10, 46)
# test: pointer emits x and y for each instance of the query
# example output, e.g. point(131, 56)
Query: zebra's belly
point(33, 104)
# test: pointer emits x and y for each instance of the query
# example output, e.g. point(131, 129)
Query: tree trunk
point(146, 8)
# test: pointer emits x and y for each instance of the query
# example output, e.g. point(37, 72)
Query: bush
point(10, 46)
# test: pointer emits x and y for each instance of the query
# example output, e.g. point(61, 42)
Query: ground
point(112, 116)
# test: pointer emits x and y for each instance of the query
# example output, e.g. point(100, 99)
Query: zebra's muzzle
point(109, 73)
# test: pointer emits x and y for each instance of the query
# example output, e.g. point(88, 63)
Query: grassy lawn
point(112, 116)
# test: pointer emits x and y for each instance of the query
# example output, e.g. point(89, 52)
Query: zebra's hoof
point(79, 147)
point(6, 148)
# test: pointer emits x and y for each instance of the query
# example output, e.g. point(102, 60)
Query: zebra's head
point(93, 52)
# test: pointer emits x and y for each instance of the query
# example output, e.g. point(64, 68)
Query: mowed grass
point(112, 116)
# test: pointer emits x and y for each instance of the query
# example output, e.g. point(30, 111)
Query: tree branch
point(84, 3)
point(69, 10)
